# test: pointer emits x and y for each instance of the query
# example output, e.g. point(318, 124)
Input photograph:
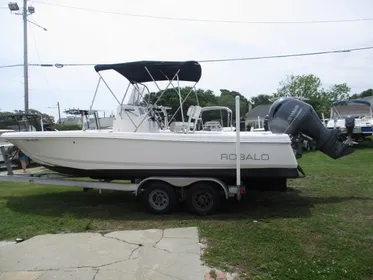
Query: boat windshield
point(352, 109)
point(212, 126)
point(136, 96)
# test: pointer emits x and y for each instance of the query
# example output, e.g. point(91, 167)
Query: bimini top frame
point(140, 72)
point(147, 71)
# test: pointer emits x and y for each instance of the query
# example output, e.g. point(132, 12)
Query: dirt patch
point(214, 273)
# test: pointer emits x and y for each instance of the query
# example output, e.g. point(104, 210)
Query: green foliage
point(49, 119)
point(261, 99)
point(319, 229)
point(6, 121)
point(5, 114)
point(309, 88)
point(17, 118)
point(306, 86)
point(68, 127)
point(226, 98)
point(365, 93)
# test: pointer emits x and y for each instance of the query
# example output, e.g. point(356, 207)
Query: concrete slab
point(63, 251)
point(75, 274)
point(148, 254)
point(20, 275)
point(187, 232)
point(5, 243)
point(143, 237)
point(176, 245)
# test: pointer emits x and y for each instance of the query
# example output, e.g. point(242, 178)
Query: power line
point(203, 20)
point(38, 54)
point(60, 65)
point(287, 55)
point(34, 23)
point(12, 65)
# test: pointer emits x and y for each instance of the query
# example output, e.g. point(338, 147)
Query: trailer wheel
point(203, 198)
point(159, 198)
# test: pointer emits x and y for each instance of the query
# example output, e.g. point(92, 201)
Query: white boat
point(138, 148)
point(354, 118)
point(4, 144)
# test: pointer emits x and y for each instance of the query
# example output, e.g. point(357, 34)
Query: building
point(104, 122)
point(70, 120)
point(256, 116)
point(369, 99)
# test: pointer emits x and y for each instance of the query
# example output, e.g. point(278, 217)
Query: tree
point(305, 86)
point(365, 93)
point(368, 92)
point(6, 120)
point(16, 118)
point(49, 119)
point(170, 98)
point(327, 97)
point(261, 99)
point(227, 98)
point(309, 87)
point(338, 92)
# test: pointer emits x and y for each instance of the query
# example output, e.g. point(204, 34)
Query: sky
point(85, 37)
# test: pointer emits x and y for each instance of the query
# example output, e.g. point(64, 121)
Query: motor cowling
point(350, 125)
point(292, 116)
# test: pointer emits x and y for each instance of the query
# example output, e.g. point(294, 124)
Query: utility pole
point(59, 112)
point(25, 58)
point(26, 11)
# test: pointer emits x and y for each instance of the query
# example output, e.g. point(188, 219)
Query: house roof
point(260, 110)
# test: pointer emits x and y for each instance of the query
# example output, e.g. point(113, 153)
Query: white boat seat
point(194, 112)
point(190, 110)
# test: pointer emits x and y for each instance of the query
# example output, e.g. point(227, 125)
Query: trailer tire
point(159, 197)
point(203, 198)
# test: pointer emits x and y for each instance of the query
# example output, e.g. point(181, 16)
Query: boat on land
point(5, 144)
point(137, 147)
point(354, 118)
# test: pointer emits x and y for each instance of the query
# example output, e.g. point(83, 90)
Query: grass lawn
point(322, 228)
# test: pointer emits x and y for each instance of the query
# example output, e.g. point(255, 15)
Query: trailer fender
point(181, 182)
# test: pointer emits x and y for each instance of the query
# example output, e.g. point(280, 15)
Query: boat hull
point(226, 175)
point(361, 127)
point(122, 155)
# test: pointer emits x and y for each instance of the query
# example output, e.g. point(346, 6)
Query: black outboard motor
point(350, 125)
point(292, 116)
point(265, 123)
